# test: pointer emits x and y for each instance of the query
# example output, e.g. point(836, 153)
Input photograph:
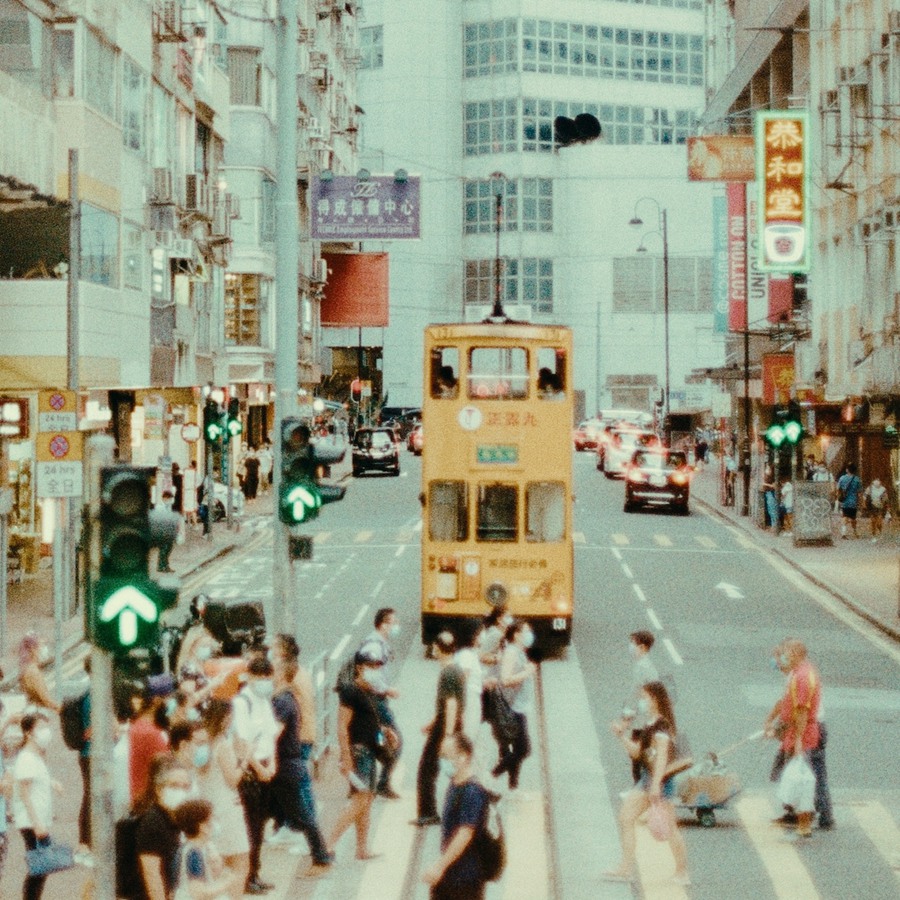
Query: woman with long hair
point(218, 781)
point(34, 653)
point(653, 748)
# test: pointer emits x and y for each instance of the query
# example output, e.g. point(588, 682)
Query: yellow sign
point(60, 446)
point(57, 411)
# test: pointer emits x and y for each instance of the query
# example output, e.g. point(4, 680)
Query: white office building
point(456, 91)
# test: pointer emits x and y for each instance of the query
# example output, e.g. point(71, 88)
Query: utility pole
point(667, 421)
point(287, 260)
point(745, 440)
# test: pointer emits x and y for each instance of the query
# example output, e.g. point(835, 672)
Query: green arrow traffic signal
point(300, 503)
point(126, 612)
point(775, 435)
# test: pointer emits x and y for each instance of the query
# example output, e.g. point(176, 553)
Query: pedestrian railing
point(323, 671)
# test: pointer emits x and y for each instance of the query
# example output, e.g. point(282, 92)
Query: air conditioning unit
point(163, 239)
point(196, 197)
point(182, 248)
point(319, 272)
point(162, 186)
point(852, 75)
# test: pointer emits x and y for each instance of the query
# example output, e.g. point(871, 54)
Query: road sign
point(59, 470)
point(57, 411)
point(190, 432)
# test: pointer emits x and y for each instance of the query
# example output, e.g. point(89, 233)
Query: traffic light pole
point(279, 616)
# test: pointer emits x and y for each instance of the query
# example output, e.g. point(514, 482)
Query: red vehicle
point(415, 441)
point(587, 435)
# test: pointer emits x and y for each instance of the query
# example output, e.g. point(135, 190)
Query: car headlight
point(636, 475)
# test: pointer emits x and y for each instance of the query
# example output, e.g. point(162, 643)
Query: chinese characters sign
point(777, 377)
point(782, 159)
point(377, 208)
point(721, 157)
point(494, 454)
point(59, 464)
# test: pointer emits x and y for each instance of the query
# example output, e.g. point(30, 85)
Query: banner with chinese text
point(777, 377)
point(379, 207)
point(737, 256)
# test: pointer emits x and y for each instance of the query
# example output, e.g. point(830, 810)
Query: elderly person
point(34, 653)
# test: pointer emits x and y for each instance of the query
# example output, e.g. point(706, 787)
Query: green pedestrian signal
point(233, 425)
point(212, 422)
point(786, 427)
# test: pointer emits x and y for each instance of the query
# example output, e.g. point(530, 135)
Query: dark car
point(376, 448)
point(658, 476)
point(401, 418)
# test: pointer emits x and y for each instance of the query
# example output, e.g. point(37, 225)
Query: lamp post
point(663, 232)
point(497, 182)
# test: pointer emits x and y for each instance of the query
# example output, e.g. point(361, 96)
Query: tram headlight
point(496, 594)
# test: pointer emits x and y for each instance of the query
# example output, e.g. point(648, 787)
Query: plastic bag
point(798, 785)
point(661, 819)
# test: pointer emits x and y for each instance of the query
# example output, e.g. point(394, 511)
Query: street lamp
point(663, 232)
point(498, 180)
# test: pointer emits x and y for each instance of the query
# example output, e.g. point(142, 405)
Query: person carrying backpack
point(470, 855)
point(849, 487)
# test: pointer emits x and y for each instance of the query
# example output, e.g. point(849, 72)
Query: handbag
point(661, 819)
point(49, 858)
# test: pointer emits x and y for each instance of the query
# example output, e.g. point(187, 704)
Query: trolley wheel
point(706, 817)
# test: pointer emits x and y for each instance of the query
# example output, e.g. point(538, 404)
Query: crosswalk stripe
point(662, 540)
point(418, 526)
point(782, 861)
point(705, 541)
point(362, 536)
point(620, 540)
point(321, 537)
point(578, 537)
point(878, 824)
point(525, 877)
point(656, 868)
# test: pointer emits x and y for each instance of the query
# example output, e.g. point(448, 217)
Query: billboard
point(720, 265)
point(721, 157)
point(377, 207)
point(782, 158)
point(356, 293)
point(737, 256)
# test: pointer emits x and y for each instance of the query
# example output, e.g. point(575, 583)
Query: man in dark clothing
point(451, 692)
point(251, 476)
point(290, 766)
point(457, 874)
point(164, 524)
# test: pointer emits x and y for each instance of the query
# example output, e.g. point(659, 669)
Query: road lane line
point(400, 550)
point(655, 868)
point(418, 526)
point(377, 589)
point(617, 553)
point(676, 656)
point(321, 537)
point(627, 570)
point(786, 869)
point(578, 537)
point(621, 539)
point(662, 540)
point(362, 611)
point(740, 537)
point(362, 536)
point(640, 594)
point(338, 651)
point(654, 621)
point(878, 824)
point(705, 541)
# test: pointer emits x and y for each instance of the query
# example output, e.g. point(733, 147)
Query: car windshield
point(370, 439)
point(662, 461)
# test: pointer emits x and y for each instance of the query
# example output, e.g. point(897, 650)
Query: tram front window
point(498, 373)
point(497, 512)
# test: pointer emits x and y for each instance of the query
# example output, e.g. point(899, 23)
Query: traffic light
point(356, 390)
point(300, 494)
point(786, 427)
point(233, 425)
point(212, 422)
point(125, 603)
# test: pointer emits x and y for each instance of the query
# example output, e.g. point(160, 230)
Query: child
point(203, 876)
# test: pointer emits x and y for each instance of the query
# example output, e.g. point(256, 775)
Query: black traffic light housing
point(300, 494)
point(233, 426)
point(212, 422)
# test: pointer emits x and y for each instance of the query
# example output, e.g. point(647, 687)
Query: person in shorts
point(849, 487)
point(359, 741)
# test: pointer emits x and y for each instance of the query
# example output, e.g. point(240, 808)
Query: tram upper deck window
point(498, 373)
point(545, 511)
point(444, 373)
point(448, 512)
point(551, 380)
point(497, 512)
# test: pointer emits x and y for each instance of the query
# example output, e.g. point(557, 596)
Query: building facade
point(481, 123)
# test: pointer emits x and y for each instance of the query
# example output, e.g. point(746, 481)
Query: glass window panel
point(99, 246)
point(445, 372)
point(100, 74)
point(25, 47)
point(545, 510)
point(498, 373)
point(497, 512)
point(64, 63)
point(134, 105)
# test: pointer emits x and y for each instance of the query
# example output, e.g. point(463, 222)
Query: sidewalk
point(861, 574)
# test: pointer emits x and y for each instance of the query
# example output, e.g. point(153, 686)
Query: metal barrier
point(323, 672)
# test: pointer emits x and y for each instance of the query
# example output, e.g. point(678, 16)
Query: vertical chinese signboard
point(782, 158)
point(737, 256)
point(777, 377)
point(720, 265)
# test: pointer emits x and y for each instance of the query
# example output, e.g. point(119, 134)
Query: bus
point(497, 476)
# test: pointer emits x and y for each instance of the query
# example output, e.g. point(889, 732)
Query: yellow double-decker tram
point(497, 476)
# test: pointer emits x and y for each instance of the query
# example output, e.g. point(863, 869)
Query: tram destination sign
point(497, 454)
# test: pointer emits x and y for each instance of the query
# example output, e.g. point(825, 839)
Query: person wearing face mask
point(256, 730)
point(202, 874)
point(643, 671)
point(467, 658)
point(164, 525)
point(33, 789)
point(34, 653)
point(147, 736)
point(219, 778)
point(359, 736)
point(157, 837)
point(457, 875)
point(517, 682)
point(378, 646)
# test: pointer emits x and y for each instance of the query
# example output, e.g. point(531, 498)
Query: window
point(163, 109)
point(267, 211)
point(490, 48)
point(245, 76)
point(445, 372)
point(551, 381)
point(499, 373)
point(64, 63)
point(371, 47)
point(99, 246)
point(537, 124)
point(448, 511)
point(245, 300)
point(100, 79)
point(25, 46)
point(481, 205)
point(545, 512)
point(490, 126)
point(537, 204)
point(134, 103)
point(528, 280)
point(132, 256)
point(498, 509)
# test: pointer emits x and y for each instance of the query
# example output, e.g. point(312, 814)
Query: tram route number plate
point(559, 624)
point(497, 454)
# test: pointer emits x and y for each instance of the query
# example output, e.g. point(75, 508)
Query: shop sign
point(379, 207)
point(721, 157)
point(154, 417)
point(59, 469)
point(720, 265)
point(782, 157)
point(13, 417)
point(777, 377)
point(57, 411)
point(497, 454)
point(737, 257)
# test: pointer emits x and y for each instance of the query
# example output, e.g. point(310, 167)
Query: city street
point(717, 605)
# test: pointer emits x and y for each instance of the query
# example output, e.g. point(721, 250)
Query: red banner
point(356, 293)
point(737, 257)
point(777, 377)
point(781, 298)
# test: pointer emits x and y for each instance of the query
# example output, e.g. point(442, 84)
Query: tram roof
point(494, 330)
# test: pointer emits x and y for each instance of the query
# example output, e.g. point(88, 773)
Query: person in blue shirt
point(849, 487)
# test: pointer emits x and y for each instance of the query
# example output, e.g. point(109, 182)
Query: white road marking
point(663, 540)
point(321, 537)
point(676, 656)
point(731, 591)
point(578, 537)
point(617, 553)
point(878, 824)
point(362, 611)
point(705, 541)
point(400, 550)
point(377, 589)
point(627, 570)
point(418, 526)
point(640, 593)
point(654, 621)
point(621, 539)
point(338, 651)
point(362, 536)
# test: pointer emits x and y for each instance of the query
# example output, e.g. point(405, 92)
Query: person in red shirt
point(147, 737)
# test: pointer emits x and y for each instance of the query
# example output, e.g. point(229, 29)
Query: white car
point(615, 454)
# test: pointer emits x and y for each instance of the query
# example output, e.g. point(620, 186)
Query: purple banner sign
point(345, 208)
